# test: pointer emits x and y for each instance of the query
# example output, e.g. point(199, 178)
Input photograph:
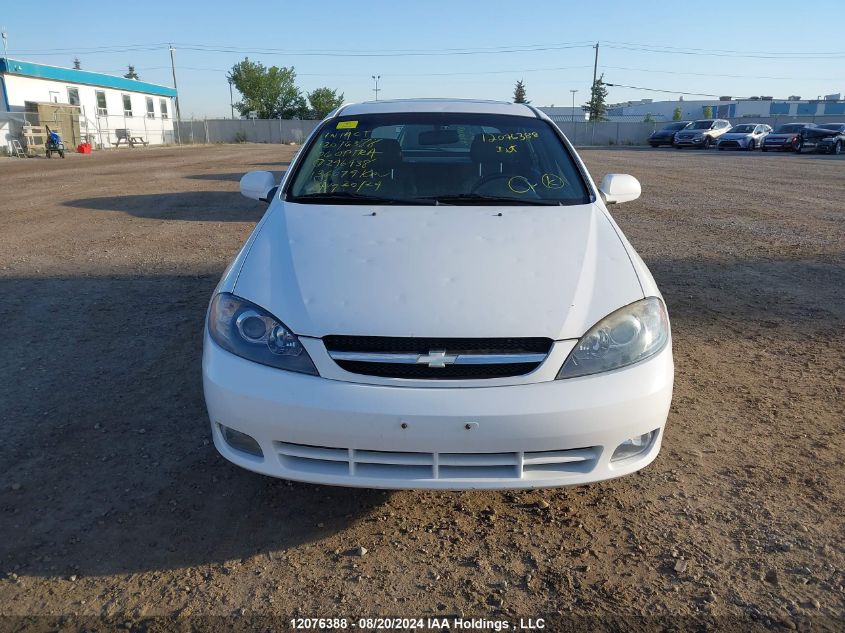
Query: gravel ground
point(115, 508)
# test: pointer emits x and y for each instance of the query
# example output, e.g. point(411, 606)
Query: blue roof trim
point(70, 75)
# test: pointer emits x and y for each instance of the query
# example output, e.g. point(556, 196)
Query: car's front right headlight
point(248, 331)
point(631, 334)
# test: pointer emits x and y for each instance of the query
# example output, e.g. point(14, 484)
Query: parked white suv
point(437, 297)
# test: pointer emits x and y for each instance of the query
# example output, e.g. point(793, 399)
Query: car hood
point(781, 136)
point(438, 271)
point(665, 132)
point(819, 132)
point(735, 136)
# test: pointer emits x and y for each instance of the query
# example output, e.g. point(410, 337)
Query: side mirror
point(256, 185)
point(618, 188)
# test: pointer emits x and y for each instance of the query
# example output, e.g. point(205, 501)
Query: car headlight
point(244, 329)
point(624, 337)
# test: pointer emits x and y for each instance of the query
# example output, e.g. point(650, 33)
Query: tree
point(676, 114)
point(707, 111)
point(597, 105)
point(131, 74)
point(77, 65)
point(648, 118)
point(323, 101)
point(519, 93)
point(270, 92)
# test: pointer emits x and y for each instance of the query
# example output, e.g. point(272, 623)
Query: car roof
point(437, 105)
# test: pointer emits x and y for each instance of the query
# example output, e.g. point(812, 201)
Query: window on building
point(73, 96)
point(151, 112)
point(163, 104)
point(101, 103)
point(127, 105)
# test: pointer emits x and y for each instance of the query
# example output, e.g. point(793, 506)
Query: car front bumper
point(688, 142)
point(534, 435)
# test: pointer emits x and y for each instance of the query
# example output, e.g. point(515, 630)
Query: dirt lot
point(114, 503)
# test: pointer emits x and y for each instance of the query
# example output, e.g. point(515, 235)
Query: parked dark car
point(703, 133)
point(825, 137)
point(786, 137)
point(666, 135)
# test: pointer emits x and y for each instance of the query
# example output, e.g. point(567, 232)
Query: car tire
point(751, 145)
point(797, 147)
point(837, 148)
point(708, 142)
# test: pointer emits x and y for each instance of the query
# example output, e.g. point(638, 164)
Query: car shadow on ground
point(108, 464)
point(205, 206)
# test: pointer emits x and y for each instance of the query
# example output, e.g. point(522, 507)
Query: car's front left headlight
point(631, 334)
point(244, 329)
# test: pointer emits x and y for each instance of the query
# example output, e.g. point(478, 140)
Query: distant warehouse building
point(83, 105)
point(728, 108)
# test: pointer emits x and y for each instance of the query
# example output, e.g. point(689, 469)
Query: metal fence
point(586, 133)
point(193, 131)
point(202, 131)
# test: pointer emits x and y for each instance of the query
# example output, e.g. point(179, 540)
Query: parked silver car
point(702, 133)
point(747, 136)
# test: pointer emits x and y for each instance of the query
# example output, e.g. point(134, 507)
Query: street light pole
point(376, 89)
point(231, 99)
point(5, 43)
point(573, 104)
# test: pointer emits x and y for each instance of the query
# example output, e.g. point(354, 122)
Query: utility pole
point(573, 104)
point(5, 43)
point(178, 111)
point(593, 85)
point(376, 89)
point(231, 99)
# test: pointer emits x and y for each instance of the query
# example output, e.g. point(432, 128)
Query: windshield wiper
point(350, 197)
point(477, 198)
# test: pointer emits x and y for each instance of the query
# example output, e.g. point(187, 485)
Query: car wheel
point(837, 148)
point(797, 146)
point(707, 142)
point(751, 146)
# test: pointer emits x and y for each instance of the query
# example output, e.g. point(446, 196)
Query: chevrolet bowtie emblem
point(436, 359)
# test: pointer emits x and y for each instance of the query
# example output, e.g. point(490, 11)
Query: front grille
point(406, 465)
point(437, 358)
point(401, 344)
point(729, 143)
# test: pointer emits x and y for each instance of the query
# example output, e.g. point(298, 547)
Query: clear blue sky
point(764, 48)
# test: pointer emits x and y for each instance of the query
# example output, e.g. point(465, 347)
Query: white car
point(437, 297)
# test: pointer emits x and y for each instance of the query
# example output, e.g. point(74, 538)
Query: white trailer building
point(101, 104)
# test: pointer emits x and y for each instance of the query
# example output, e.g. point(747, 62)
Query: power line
point(676, 72)
point(677, 92)
point(644, 48)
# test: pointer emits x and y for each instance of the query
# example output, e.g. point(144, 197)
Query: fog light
point(634, 446)
point(241, 441)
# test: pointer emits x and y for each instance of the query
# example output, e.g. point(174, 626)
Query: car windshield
point(702, 125)
point(437, 158)
point(789, 128)
point(837, 127)
point(743, 129)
